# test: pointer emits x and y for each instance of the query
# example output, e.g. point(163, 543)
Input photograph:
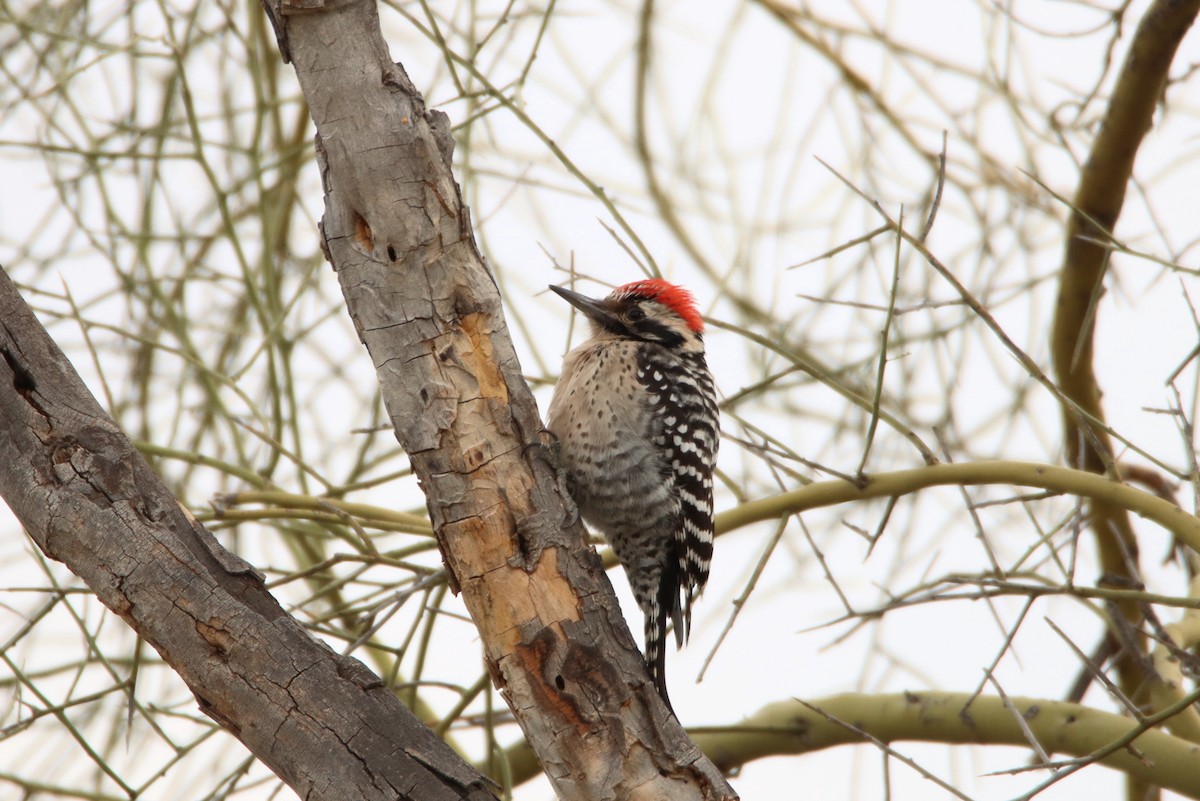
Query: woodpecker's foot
point(544, 447)
point(572, 510)
point(547, 449)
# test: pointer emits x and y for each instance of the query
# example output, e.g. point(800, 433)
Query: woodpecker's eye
point(635, 314)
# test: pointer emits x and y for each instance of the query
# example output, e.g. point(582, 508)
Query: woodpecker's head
point(651, 310)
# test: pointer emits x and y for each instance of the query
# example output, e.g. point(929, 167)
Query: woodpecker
point(635, 414)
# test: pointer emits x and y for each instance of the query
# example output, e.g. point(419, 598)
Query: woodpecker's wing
point(686, 428)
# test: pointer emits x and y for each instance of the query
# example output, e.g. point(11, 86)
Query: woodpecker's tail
point(664, 604)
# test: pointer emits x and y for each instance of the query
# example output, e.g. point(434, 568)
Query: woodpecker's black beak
point(595, 310)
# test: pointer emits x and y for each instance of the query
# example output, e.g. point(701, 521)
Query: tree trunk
point(423, 302)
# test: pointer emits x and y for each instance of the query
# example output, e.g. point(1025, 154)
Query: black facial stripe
point(652, 330)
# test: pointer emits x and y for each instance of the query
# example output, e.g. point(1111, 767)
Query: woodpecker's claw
point(547, 451)
point(546, 447)
point(572, 510)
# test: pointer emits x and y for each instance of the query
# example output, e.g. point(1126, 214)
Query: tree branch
point(794, 727)
point(1024, 474)
point(427, 309)
point(1094, 213)
point(321, 721)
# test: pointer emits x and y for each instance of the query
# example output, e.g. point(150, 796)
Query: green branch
point(1025, 474)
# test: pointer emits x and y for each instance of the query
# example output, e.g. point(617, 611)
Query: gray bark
point(322, 722)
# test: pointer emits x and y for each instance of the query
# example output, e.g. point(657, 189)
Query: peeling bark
point(428, 310)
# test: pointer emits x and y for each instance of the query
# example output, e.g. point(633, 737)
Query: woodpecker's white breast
point(604, 421)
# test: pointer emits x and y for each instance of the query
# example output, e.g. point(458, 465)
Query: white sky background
point(739, 113)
